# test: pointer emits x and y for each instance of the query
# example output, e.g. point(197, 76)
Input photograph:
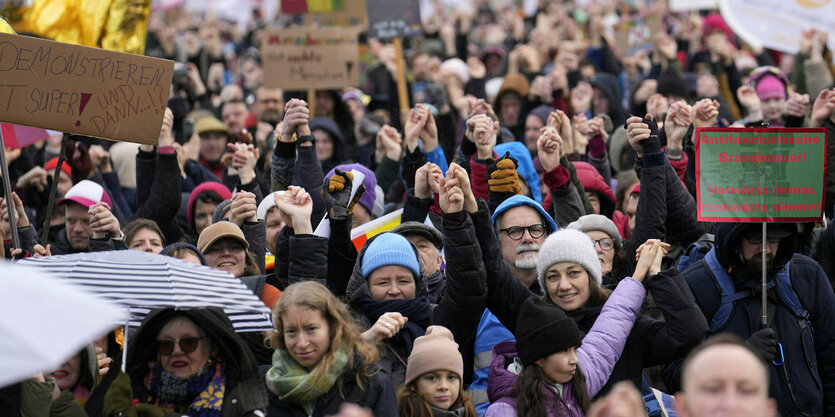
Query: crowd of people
point(548, 259)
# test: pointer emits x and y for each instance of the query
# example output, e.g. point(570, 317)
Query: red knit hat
point(52, 163)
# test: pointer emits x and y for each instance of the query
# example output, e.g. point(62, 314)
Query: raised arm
point(463, 302)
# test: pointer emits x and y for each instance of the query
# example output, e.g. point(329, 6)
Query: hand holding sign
point(103, 222)
point(166, 138)
point(296, 118)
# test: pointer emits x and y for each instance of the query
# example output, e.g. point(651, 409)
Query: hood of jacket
point(609, 85)
point(358, 286)
point(521, 200)
point(332, 129)
point(525, 166)
point(215, 325)
point(729, 235)
point(500, 380)
point(593, 181)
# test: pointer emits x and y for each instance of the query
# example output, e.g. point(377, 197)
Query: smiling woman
point(192, 362)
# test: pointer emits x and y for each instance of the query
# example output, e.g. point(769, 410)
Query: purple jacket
point(600, 350)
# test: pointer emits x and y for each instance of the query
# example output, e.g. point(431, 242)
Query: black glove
point(653, 143)
point(764, 343)
point(336, 191)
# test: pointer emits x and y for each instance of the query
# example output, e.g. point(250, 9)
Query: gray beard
point(529, 261)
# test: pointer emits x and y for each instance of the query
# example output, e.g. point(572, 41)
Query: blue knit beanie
point(389, 249)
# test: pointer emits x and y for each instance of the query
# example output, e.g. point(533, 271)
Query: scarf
point(294, 383)
point(458, 412)
point(206, 389)
point(585, 317)
point(417, 310)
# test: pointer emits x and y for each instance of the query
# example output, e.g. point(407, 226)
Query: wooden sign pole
point(7, 192)
point(311, 101)
point(402, 93)
point(54, 189)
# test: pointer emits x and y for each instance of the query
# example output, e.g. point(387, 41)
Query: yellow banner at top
point(5, 27)
point(117, 25)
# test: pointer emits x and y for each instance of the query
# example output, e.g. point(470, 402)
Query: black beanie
point(543, 329)
point(670, 83)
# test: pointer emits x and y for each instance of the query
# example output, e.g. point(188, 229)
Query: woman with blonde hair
point(320, 359)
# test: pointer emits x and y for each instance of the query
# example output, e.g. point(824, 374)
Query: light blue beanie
point(389, 249)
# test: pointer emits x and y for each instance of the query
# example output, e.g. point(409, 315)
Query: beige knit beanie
point(436, 350)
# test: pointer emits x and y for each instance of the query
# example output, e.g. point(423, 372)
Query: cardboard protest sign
point(302, 58)
point(354, 14)
point(634, 33)
point(684, 5)
point(760, 175)
point(83, 90)
point(778, 24)
point(393, 19)
point(311, 6)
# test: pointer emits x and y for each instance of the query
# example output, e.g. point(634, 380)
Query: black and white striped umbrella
point(143, 281)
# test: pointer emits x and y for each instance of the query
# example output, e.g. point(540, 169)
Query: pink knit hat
point(217, 187)
point(770, 86)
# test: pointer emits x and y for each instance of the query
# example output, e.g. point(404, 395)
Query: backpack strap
point(695, 251)
point(729, 296)
point(789, 297)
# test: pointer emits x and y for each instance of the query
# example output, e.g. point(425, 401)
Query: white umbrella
point(143, 281)
point(44, 321)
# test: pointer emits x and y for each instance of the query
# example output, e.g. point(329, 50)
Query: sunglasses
point(187, 345)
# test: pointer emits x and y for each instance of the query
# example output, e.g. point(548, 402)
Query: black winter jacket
point(800, 384)
point(463, 303)
point(650, 343)
point(158, 188)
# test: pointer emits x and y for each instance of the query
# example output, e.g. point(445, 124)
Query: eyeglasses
point(516, 232)
point(759, 240)
point(605, 243)
point(187, 345)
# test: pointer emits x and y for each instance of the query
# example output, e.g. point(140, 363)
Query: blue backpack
point(729, 295)
point(657, 403)
point(695, 252)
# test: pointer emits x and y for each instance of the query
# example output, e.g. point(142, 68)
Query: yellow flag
point(118, 25)
point(5, 27)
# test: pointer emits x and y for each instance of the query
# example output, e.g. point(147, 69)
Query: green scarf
point(293, 383)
